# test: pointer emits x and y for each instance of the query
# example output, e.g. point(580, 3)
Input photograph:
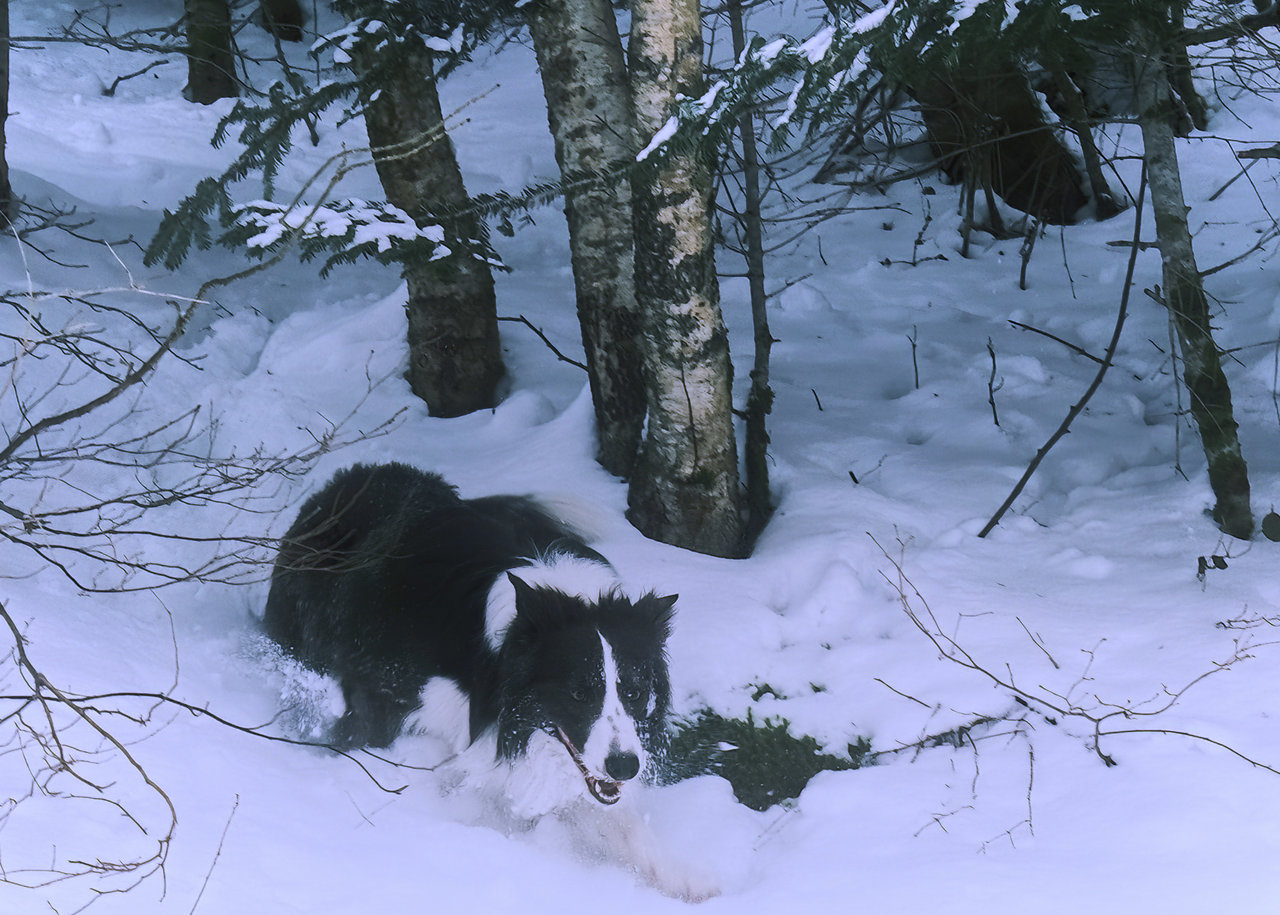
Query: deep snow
point(1086, 590)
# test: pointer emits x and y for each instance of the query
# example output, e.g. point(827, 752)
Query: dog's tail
point(590, 520)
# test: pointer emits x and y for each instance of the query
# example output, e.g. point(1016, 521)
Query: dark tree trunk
point(584, 79)
point(455, 362)
point(211, 73)
point(760, 395)
point(1184, 293)
point(282, 18)
point(1105, 204)
point(8, 206)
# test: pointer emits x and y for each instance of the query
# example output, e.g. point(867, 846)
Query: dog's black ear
point(524, 593)
point(660, 610)
point(532, 604)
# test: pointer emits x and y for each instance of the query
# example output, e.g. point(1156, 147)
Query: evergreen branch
point(1245, 25)
point(813, 81)
point(264, 128)
point(501, 204)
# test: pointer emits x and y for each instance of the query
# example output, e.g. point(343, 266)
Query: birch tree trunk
point(685, 488)
point(455, 362)
point(584, 78)
point(211, 68)
point(1184, 294)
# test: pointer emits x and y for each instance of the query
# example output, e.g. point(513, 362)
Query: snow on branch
point(806, 82)
point(344, 229)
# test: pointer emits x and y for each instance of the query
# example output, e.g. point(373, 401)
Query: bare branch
point(1078, 407)
point(58, 758)
point(1101, 715)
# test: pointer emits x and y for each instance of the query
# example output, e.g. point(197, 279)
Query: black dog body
point(387, 579)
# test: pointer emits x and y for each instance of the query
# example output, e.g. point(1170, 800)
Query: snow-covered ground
point(1086, 596)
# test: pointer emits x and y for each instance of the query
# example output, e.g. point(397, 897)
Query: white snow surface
point(1085, 595)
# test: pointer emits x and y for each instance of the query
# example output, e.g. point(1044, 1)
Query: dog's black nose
point(621, 766)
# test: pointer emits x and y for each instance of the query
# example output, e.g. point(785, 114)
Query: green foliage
point(267, 127)
point(806, 84)
point(453, 29)
point(264, 128)
point(266, 136)
point(188, 226)
point(763, 761)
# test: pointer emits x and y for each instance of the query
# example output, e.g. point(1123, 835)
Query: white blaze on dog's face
point(613, 748)
point(583, 664)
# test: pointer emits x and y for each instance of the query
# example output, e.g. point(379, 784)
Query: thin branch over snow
point(1102, 716)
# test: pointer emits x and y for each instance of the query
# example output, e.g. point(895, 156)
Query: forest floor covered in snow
point(1113, 713)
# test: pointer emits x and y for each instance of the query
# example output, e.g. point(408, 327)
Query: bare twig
point(992, 387)
point(1108, 356)
point(1102, 716)
point(115, 84)
point(915, 364)
point(44, 693)
point(1035, 640)
point(216, 855)
point(1067, 343)
point(521, 319)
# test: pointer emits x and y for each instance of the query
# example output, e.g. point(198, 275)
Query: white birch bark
point(685, 489)
point(584, 79)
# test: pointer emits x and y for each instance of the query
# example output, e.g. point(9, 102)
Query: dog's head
point(593, 675)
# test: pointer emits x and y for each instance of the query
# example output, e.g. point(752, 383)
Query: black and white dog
point(388, 581)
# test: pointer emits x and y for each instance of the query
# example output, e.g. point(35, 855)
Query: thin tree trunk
point(760, 396)
point(1195, 113)
point(584, 78)
point(455, 362)
point(1184, 293)
point(1105, 204)
point(685, 488)
point(211, 68)
point(282, 18)
point(8, 206)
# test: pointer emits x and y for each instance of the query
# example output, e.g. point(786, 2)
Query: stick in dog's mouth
point(604, 790)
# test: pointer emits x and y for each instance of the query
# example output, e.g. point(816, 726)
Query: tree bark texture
point(1105, 204)
point(455, 362)
point(282, 18)
point(584, 79)
point(1184, 294)
point(211, 66)
point(760, 396)
point(685, 489)
point(8, 206)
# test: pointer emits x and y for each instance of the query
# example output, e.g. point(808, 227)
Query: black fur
point(550, 661)
point(382, 583)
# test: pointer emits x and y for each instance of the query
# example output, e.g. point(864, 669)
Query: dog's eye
point(578, 694)
point(631, 692)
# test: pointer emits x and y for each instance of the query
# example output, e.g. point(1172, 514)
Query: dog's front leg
point(622, 834)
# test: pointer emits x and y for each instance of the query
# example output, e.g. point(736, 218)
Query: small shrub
point(763, 761)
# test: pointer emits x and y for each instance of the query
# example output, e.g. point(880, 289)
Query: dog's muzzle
point(604, 790)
